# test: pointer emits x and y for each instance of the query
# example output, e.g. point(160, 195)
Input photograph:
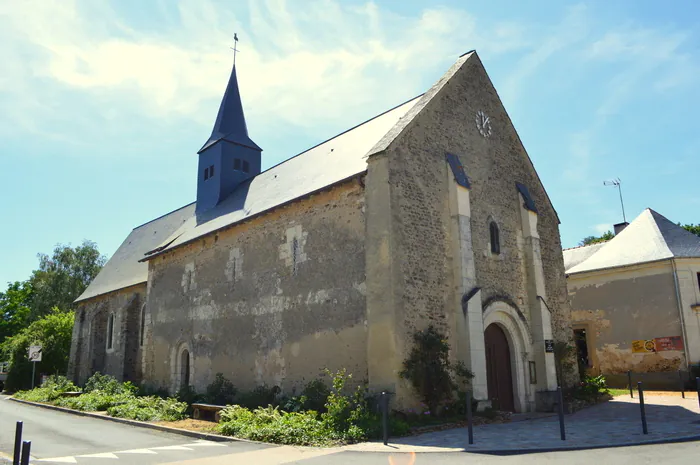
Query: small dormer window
point(237, 164)
point(495, 238)
point(246, 166)
point(209, 172)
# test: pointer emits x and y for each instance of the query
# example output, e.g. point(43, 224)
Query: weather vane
point(235, 47)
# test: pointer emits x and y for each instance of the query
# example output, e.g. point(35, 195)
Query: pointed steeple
point(230, 122)
point(229, 157)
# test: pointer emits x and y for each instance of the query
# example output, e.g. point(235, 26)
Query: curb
point(142, 424)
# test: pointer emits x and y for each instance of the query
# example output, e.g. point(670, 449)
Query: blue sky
point(103, 105)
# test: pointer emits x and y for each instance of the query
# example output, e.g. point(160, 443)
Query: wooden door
point(498, 370)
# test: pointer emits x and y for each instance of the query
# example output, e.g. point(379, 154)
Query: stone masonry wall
point(418, 176)
point(271, 301)
point(89, 352)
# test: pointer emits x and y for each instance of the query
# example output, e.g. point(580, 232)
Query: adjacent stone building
point(429, 213)
point(636, 302)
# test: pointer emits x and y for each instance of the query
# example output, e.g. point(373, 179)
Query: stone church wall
point(270, 301)
point(420, 236)
point(89, 349)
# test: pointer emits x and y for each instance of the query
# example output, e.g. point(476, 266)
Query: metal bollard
point(680, 380)
point(18, 444)
point(385, 417)
point(562, 430)
point(629, 383)
point(641, 407)
point(470, 423)
point(26, 447)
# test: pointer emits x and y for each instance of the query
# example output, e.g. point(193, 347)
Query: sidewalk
point(614, 423)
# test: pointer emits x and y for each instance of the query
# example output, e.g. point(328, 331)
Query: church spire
point(229, 157)
point(230, 122)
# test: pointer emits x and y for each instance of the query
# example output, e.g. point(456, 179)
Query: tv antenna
point(617, 183)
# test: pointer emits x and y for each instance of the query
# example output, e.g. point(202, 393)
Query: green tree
point(693, 228)
point(14, 308)
point(53, 332)
point(596, 239)
point(63, 276)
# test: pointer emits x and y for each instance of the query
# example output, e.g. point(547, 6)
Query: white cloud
point(602, 228)
point(301, 66)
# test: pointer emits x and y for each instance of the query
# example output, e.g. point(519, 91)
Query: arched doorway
point(184, 369)
point(498, 368)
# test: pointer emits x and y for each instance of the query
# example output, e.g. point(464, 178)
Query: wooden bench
point(198, 409)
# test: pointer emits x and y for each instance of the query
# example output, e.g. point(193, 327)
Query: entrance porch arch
point(508, 320)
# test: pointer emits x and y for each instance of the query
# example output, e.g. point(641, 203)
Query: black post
point(629, 383)
point(680, 380)
point(26, 447)
point(697, 384)
point(18, 443)
point(385, 417)
point(470, 423)
point(641, 407)
point(562, 430)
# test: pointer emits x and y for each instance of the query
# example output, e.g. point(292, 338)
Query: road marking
point(103, 455)
point(171, 448)
point(136, 451)
point(205, 444)
point(60, 460)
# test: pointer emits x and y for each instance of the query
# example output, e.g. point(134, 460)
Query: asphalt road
point(64, 438)
point(60, 435)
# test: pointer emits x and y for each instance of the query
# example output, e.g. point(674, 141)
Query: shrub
point(315, 395)
point(272, 425)
point(429, 370)
point(591, 388)
point(95, 401)
point(109, 385)
point(261, 396)
point(50, 390)
point(188, 395)
point(221, 391)
point(149, 409)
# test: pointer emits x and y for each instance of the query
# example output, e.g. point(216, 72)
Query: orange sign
point(668, 343)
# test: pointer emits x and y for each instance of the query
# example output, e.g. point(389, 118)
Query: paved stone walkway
point(613, 423)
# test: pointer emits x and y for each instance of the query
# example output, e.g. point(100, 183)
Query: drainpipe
point(680, 312)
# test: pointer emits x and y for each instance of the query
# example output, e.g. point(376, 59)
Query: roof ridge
point(587, 245)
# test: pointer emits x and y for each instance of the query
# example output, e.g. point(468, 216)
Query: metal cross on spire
point(235, 48)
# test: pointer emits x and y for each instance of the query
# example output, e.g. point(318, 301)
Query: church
point(430, 213)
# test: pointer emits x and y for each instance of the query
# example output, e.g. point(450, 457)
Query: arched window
point(184, 368)
point(495, 238)
point(110, 331)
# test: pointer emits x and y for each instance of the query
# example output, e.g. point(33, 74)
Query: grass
point(619, 392)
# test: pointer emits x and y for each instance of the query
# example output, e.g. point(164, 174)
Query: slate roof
point(576, 255)
point(650, 237)
point(328, 163)
point(124, 268)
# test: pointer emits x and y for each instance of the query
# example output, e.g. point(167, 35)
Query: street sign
point(35, 353)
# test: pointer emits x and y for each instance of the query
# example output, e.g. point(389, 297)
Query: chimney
point(619, 227)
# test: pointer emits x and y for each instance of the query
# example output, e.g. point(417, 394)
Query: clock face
point(483, 124)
